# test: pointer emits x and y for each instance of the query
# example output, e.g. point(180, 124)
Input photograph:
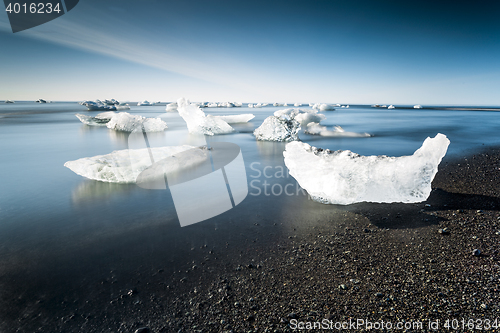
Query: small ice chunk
point(418, 106)
point(237, 118)
point(344, 177)
point(105, 115)
point(317, 129)
point(91, 121)
point(391, 107)
point(303, 116)
point(127, 122)
point(278, 129)
point(124, 166)
point(145, 103)
point(171, 107)
point(326, 107)
point(198, 122)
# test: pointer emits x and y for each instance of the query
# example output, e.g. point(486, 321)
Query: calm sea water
point(47, 209)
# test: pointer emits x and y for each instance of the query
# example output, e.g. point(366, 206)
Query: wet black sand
point(255, 273)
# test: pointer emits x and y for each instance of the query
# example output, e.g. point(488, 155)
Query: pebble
point(143, 330)
point(444, 231)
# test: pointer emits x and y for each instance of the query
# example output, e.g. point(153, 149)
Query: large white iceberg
point(236, 118)
point(198, 122)
point(317, 129)
point(344, 177)
point(127, 122)
point(124, 166)
point(276, 128)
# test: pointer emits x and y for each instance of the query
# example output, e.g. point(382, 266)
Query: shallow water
point(46, 209)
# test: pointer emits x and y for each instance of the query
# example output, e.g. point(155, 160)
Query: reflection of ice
point(317, 129)
point(90, 191)
point(343, 177)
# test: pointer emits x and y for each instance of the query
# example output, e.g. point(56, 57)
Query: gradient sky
point(391, 52)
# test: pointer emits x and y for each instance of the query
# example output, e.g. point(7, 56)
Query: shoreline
point(364, 261)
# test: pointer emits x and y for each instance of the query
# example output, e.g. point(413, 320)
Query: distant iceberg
point(124, 166)
point(41, 101)
point(418, 106)
point(316, 129)
point(391, 107)
point(326, 107)
point(304, 117)
point(198, 122)
point(127, 122)
point(344, 177)
point(9, 102)
point(234, 119)
point(145, 103)
point(106, 105)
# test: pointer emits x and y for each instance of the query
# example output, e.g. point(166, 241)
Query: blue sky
point(391, 52)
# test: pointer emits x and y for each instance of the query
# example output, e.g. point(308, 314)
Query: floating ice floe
point(418, 106)
point(278, 128)
point(391, 107)
point(124, 166)
point(106, 105)
point(316, 129)
point(171, 107)
point(145, 103)
point(234, 119)
point(127, 122)
point(198, 122)
point(344, 177)
point(304, 117)
point(99, 120)
point(327, 107)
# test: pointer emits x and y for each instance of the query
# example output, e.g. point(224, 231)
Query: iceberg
point(304, 117)
point(145, 103)
point(276, 128)
point(127, 122)
point(344, 177)
point(171, 107)
point(326, 107)
point(316, 129)
point(234, 119)
point(198, 122)
point(125, 166)
point(106, 105)
point(99, 120)
point(391, 107)
point(418, 106)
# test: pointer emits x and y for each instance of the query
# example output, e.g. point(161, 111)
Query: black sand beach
point(437, 260)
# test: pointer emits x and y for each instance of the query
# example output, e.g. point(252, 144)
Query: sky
point(354, 52)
